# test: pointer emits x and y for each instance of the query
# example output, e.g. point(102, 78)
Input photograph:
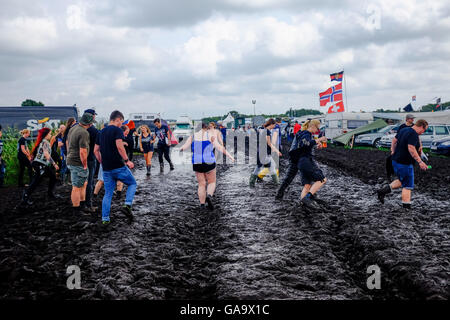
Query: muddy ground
point(250, 247)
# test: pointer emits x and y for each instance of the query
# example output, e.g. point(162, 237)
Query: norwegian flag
point(338, 107)
point(333, 94)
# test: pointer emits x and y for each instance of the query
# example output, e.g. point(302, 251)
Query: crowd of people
point(80, 151)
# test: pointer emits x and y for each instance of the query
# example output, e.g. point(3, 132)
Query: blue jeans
point(110, 180)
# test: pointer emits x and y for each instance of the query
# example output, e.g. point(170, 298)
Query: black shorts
point(147, 147)
point(310, 171)
point(204, 167)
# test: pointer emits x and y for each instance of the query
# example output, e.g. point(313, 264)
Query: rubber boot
point(171, 166)
point(253, 180)
point(275, 179)
point(280, 192)
point(161, 167)
point(149, 170)
point(383, 192)
point(26, 200)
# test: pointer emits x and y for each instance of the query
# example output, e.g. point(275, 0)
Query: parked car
point(434, 131)
point(373, 139)
point(441, 146)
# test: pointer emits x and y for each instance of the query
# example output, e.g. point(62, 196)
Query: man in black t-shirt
point(409, 122)
point(163, 134)
point(110, 152)
point(403, 157)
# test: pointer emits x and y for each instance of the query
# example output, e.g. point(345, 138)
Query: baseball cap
point(91, 111)
point(87, 118)
point(409, 116)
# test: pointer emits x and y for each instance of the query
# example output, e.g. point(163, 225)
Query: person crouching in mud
point(266, 161)
point(301, 155)
point(404, 154)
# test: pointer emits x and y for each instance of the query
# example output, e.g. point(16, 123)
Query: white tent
point(228, 122)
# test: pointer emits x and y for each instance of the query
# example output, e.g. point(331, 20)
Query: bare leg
point(396, 184)
point(406, 195)
point(201, 187)
point(317, 185)
point(119, 186)
point(149, 158)
point(83, 192)
point(98, 187)
point(211, 178)
point(75, 196)
point(305, 190)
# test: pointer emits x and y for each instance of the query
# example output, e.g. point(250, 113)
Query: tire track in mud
point(411, 249)
point(276, 254)
point(249, 247)
point(171, 250)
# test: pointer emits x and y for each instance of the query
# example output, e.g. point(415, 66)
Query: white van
point(183, 128)
point(337, 124)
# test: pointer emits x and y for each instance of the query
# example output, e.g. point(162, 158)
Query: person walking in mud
point(146, 141)
point(163, 134)
point(409, 122)
point(301, 156)
point(265, 160)
point(202, 144)
point(77, 162)
point(24, 157)
point(110, 152)
point(404, 156)
point(65, 173)
point(43, 165)
point(92, 163)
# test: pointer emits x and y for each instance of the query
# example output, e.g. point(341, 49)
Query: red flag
point(324, 97)
point(338, 107)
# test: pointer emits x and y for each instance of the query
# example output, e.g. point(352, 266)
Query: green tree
point(32, 103)
point(432, 106)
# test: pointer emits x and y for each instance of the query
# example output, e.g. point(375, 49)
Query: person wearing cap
point(77, 160)
point(92, 163)
point(409, 121)
point(404, 156)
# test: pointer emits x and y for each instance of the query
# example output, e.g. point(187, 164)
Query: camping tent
point(346, 137)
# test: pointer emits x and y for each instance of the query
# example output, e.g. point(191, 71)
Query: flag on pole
point(338, 107)
point(333, 94)
point(324, 97)
point(408, 108)
point(438, 102)
point(337, 76)
point(413, 98)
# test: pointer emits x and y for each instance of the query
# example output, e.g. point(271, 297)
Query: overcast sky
point(206, 57)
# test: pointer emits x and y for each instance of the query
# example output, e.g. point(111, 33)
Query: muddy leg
point(317, 185)
point(305, 190)
point(201, 178)
point(211, 178)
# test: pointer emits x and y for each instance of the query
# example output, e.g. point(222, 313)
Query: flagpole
point(345, 85)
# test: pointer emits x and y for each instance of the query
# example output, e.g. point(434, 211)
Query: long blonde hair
point(146, 127)
point(309, 123)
